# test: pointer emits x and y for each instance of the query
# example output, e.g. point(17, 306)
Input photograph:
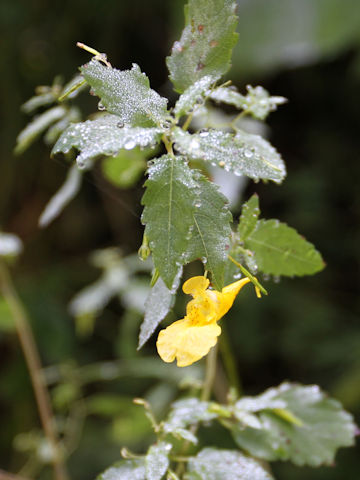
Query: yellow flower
point(190, 338)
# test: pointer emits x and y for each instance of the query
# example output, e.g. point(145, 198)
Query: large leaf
point(105, 135)
point(206, 42)
point(210, 232)
point(126, 93)
point(281, 250)
point(214, 464)
point(242, 154)
point(157, 306)
point(296, 423)
point(186, 218)
point(125, 470)
point(157, 460)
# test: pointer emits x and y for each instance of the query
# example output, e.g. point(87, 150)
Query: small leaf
point(206, 42)
point(310, 432)
point(216, 464)
point(62, 197)
point(125, 169)
point(35, 128)
point(125, 470)
point(168, 199)
point(242, 154)
point(72, 88)
point(157, 306)
point(280, 250)
point(126, 93)
point(257, 102)
point(38, 101)
point(193, 95)
point(249, 216)
point(157, 460)
point(103, 136)
point(210, 232)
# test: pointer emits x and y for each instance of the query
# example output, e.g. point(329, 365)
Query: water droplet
point(120, 124)
point(276, 278)
point(204, 260)
point(129, 145)
point(197, 204)
point(101, 106)
point(237, 276)
point(194, 144)
point(204, 132)
point(92, 92)
point(221, 163)
point(248, 153)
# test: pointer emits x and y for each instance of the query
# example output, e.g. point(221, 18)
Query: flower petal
point(196, 285)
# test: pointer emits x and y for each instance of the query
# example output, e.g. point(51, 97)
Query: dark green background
point(308, 329)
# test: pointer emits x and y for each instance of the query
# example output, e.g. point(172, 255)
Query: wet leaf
point(125, 169)
point(126, 94)
point(125, 470)
point(242, 154)
point(193, 95)
point(103, 136)
point(249, 216)
point(206, 42)
point(157, 460)
point(216, 464)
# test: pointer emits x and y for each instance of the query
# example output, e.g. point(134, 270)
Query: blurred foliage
point(305, 330)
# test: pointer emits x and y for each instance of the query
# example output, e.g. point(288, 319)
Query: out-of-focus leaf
point(62, 197)
point(35, 128)
point(109, 404)
point(127, 94)
point(249, 216)
point(157, 460)
point(215, 464)
point(125, 470)
point(125, 169)
point(7, 323)
point(193, 95)
point(242, 154)
point(280, 250)
point(257, 102)
point(73, 115)
point(298, 423)
point(73, 88)
point(206, 42)
point(104, 136)
point(158, 303)
point(38, 101)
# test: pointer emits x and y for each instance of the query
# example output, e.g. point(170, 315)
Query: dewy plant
point(186, 218)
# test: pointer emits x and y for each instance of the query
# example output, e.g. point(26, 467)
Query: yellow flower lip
point(192, 337)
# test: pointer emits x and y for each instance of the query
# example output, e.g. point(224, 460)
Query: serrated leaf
point(126, 94)
point(257, 102)
point(157, 460)
point(210, 232)
point(321, 426)
point(280, 250)
point(62, 197)
point(167, 216)
point(125, 169)
point(103, 136)
point(216, 464)
point(35, 128)
point(242, 154)
point(157, 306)
point(185, 413)
point(133, 469)
point(193, 95)
point(206, 42)
point(249, 216)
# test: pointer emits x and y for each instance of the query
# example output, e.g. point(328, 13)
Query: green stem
point(251, 277)
point(187, 121)
point(210, 374)
point(229, 362)
point(33, 362)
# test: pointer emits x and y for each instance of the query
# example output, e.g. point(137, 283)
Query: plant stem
point(33, 362)
point(210, 374)
point(251, 277)
point(228, 359)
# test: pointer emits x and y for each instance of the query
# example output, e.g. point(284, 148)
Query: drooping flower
point(191, 338)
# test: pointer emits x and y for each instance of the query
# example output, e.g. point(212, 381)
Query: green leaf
point(249, 216)
point(215, 464)
point(157, 306)
point(280, 250)
point(206, 42)
point(125, 169)
point(157, 460)
point(62, 197)
point(193, 95)
point(103, 136)
point(210, 231)
point(125, 470)
point(297, 423)
point(35, 128)
point(257, 102)
point(169, 203)
point(38, 101)
point(126, 93)
point(242, 154)
point(185, 413)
